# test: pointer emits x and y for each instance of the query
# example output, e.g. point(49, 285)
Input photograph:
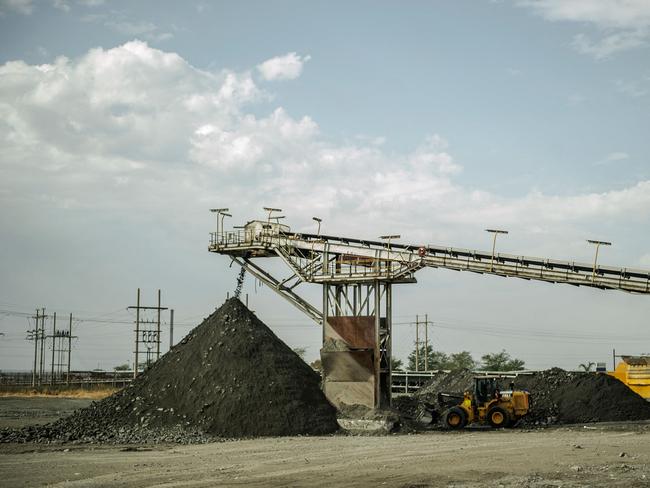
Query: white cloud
point(146, 30)
point(616, 156)
point(540, 208)
point(612, 158)
point(610, 44)
point(61, 5)
point(135, 128)
point(624, 24)
point(622, 14)
point(109, 102)
point(632, 88)
point(25, 7)
point(287, 67)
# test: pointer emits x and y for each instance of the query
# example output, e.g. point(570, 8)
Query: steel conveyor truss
point(356, 277)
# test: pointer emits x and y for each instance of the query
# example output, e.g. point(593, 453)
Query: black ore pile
point(558, 396)
point(574, 397)
point(230, 377)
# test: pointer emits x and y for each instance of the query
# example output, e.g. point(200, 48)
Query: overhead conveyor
point(356, 276)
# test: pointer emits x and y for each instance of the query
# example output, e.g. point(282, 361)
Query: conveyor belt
point(411, 257)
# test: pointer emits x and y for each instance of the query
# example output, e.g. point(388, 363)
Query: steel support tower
point(357, 276)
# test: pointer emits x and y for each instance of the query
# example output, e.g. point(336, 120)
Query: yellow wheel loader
point(485, 404)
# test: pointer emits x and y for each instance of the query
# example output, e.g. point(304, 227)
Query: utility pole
point(35, 348)
point(67, 376)
point(41, 370)
point(158, 330)
point(425, 349)
point(171, 328)
point(417, 343)
point(137, 334)
point(53, 348)
point(147, 337)
point(38, 335)
point(32, 335)
point(426, 342)
point(61, 345)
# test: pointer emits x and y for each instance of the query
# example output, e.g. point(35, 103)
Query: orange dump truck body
point(634, 371)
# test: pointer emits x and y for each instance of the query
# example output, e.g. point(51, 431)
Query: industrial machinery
point(356, 277)
point(634, 371)
point(486, 403)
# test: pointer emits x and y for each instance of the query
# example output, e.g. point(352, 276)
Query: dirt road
point(567, 457)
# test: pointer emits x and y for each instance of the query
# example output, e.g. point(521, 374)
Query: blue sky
point(123, 122)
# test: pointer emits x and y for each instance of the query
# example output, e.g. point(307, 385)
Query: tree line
point(500, 361)
point(432, 360)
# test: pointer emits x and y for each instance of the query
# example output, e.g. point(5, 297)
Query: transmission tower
point(61, 351)
point(148, 337)
point(37, 335)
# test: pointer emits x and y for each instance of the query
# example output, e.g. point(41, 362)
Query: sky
point(123, 122)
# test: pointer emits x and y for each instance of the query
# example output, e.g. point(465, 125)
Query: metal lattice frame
point(367, 299)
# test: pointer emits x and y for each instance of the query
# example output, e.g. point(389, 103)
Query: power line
point(482, 328)
point(489, 329)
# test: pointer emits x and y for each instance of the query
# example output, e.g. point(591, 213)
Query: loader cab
point(485, 389)
point(486, 403)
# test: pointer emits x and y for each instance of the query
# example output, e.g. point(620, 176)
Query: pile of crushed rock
point(557, 396)
point(230, 377)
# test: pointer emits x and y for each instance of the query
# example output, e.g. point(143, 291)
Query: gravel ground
point(598, 455)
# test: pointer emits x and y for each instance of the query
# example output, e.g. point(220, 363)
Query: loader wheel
point(498, 417)
point(455, 418)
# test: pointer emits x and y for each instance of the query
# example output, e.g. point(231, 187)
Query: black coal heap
point(231, 376)
point(558, 396)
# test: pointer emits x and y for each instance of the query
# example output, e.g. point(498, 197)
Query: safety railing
point(233, 238)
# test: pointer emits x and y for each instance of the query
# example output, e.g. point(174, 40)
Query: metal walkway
point(351, 260)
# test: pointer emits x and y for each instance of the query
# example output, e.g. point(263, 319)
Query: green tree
point(122, 367)
point(501, 361)
point(300, 351)
point(436, 359)
point(461, 360)
point(441, 360)
point(587, 366)
point(396, 364)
